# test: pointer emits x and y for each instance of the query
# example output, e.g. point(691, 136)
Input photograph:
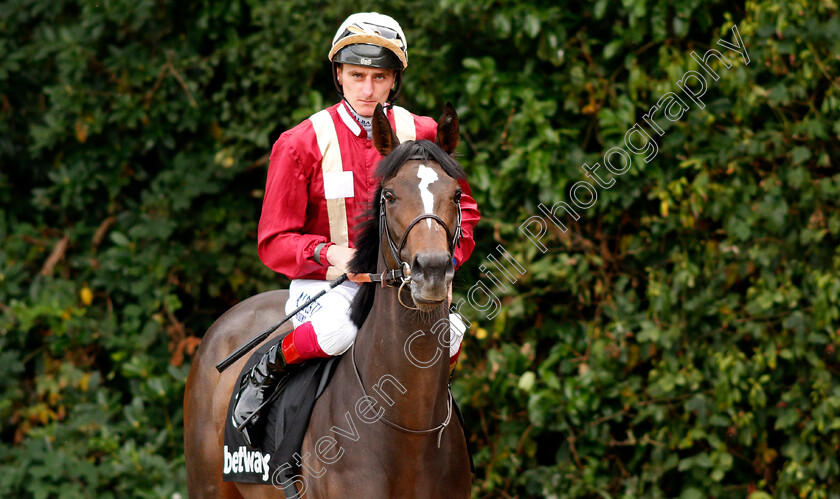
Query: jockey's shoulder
point(299, 136)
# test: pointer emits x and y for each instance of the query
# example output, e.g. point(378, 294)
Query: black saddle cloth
point(273, 461)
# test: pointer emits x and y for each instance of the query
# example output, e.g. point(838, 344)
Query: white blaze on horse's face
point(427, 177)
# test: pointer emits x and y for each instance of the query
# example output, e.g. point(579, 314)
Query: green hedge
point(679, 339)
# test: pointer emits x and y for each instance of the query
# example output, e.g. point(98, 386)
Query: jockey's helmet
point(370, 39)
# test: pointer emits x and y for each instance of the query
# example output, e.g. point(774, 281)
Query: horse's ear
point(447, 129)
point(384, 138)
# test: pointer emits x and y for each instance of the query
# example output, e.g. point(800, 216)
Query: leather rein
point(439, 428)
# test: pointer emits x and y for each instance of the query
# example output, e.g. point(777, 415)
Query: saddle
point(273, 461)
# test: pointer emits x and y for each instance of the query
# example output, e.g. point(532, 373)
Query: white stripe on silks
point(327, 138)
point(405, 124)
point(348, 120)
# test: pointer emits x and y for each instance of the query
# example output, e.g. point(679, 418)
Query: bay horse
point(383, 427)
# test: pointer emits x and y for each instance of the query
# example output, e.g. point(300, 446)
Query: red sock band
point(302, 344)
point(454, 358)
point(290, 352)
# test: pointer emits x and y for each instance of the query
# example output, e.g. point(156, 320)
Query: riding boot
point(255, 389)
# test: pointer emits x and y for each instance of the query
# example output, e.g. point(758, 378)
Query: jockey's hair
point(367, 231)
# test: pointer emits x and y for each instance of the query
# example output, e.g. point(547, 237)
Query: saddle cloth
point(273, 462)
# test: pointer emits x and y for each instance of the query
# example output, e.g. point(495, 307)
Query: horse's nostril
point(430, 263)
point(417, 266)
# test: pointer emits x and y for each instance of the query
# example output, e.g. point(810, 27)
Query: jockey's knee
point(336, 341)
point(457, 328)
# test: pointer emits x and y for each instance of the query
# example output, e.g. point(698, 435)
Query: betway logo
point(245, 461)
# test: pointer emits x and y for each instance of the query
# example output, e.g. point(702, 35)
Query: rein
point(439, 428)
point(384, 279)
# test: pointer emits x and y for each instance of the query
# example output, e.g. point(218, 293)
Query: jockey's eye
point(389, 196)
point(457, 197)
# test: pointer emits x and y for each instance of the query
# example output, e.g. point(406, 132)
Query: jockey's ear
point(384, 138)
point(447, 129)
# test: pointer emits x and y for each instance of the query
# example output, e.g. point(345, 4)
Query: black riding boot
point(254, 390)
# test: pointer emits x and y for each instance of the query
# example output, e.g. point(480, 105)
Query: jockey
point(320, 181)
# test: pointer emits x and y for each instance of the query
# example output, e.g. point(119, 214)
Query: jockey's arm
point(469, 218)
point(283, 242)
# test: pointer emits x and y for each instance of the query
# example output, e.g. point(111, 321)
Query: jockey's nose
point(367, 87)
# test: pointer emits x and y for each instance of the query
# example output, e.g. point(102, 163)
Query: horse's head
point(420, 205)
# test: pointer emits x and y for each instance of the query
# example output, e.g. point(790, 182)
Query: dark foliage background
point(679, 340)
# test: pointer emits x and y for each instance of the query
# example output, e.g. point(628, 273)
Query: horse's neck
point(383, 351)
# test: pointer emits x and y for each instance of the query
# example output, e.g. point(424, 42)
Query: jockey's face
point(364, 87)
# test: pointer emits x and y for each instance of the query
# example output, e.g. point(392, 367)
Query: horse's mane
point(367, 231)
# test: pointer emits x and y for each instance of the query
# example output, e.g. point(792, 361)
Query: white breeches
point(330, 315)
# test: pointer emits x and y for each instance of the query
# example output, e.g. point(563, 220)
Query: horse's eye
point(457, 197)
point(389, 196)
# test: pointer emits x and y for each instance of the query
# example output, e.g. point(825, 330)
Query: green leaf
point(800, 154)
point(119, 239)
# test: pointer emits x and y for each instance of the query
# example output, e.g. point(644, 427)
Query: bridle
point(396, 250)
point(402, 273)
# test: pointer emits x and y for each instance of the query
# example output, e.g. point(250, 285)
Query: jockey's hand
point(340, 256)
